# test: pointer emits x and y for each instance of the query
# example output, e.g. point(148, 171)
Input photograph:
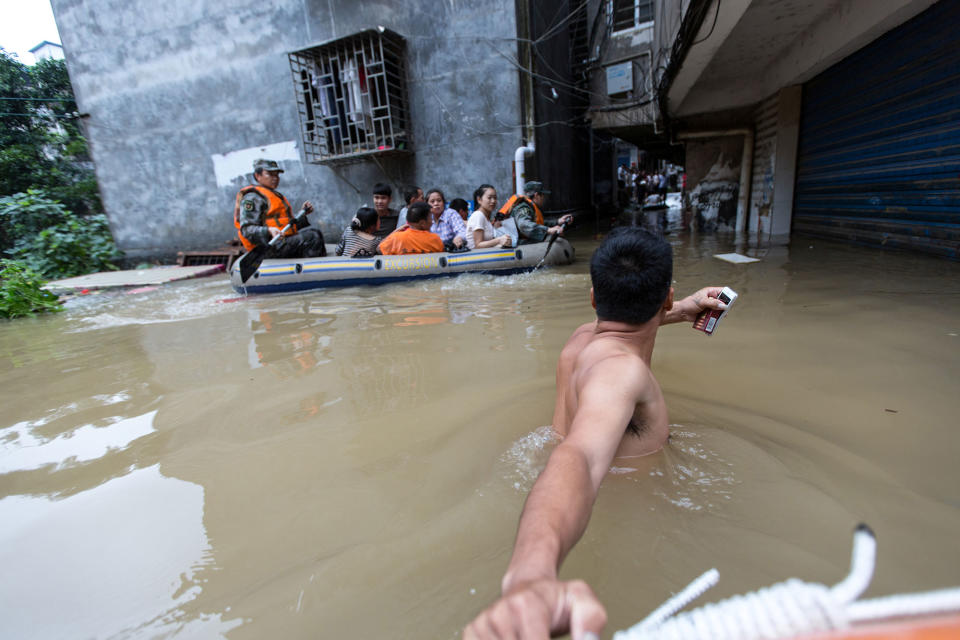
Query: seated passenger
point(460, 206)
point(411, 193)
point(445, 222)
point(416, 236)
point(481, 231)
point(359, 239)
point(382, 194)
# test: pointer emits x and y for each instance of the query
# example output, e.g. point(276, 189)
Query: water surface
point(186, 462)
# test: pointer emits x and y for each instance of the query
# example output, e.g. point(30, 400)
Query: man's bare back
point(604, 385)
point(596, 345)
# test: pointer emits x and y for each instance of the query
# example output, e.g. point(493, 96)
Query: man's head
point(631, 272)
point(267, 172)
point(535, 191)
point(418, 216)
point(460, 206)
point(381, 198)
point(412, 193)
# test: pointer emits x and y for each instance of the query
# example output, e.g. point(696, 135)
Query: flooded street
point(189, 463)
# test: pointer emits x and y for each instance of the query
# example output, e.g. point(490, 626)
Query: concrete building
point(836, 118)
point(46, 50)
point(178, 99)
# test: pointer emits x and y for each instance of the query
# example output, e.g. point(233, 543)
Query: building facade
point(179, 98)
point(833, 118)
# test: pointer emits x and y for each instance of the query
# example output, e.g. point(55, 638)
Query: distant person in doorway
point(262, 213)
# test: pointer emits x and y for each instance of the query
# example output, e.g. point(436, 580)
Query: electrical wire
point(69, 116)
point(712, 27)
point(41, 99)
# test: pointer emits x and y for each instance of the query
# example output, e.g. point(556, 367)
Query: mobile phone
point(708, 320)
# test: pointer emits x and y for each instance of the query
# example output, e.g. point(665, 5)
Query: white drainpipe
point(746, 166)
point(518, 163)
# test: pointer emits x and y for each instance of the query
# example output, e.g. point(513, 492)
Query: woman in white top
point(480, 227)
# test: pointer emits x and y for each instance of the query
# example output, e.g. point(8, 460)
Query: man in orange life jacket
point(525, 210)
point(262, 212)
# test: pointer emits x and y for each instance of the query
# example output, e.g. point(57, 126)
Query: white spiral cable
point(788, 609)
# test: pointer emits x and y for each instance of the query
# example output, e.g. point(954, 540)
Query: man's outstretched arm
point(535, 604)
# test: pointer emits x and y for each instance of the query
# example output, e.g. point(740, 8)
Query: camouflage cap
point(262, 164)
point(535, 186)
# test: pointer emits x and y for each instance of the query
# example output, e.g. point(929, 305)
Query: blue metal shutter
point(879, 155)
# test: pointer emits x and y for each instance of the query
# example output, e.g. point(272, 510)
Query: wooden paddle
point(250, 261)
point(553, 238)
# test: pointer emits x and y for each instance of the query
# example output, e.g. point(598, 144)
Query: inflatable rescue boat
point(285, 275)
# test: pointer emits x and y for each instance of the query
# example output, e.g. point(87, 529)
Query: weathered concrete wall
point(713, 180)
point(181, 94)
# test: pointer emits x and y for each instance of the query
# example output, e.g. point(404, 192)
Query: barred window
point(352, 97)
point(628, 14)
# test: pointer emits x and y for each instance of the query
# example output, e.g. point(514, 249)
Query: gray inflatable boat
point(284, 275)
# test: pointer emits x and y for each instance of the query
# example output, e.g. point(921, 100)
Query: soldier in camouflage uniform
point(525, 210)
point(261, 214)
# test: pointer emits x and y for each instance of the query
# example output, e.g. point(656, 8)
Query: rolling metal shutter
point(879, 156)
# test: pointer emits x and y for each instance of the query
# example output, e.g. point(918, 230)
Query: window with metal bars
point(352, 97)
point(628, 14)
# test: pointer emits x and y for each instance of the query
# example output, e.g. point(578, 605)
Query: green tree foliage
point(41, 144)
point(22, 292)
point(50, 210)
point(51, 240)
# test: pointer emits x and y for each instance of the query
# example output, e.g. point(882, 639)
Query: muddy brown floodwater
point(351, 463)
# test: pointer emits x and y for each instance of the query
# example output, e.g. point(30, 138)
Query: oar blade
point(250, 261)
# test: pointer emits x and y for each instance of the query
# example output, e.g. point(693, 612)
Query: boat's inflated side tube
point(277, 275)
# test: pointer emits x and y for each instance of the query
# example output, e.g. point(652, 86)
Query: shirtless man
point(608, 405)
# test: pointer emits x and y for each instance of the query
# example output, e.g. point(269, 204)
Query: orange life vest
point(278, 213)
point(517, 199)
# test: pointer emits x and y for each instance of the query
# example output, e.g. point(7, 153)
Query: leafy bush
point(46, 237)
point(21, 292)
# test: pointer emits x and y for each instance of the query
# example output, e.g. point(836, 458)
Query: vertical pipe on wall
point(520, 167)
point(525, 57)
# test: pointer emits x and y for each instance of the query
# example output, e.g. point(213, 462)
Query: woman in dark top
point(360, 237)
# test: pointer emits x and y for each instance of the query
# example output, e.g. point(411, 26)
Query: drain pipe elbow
point(519, 165)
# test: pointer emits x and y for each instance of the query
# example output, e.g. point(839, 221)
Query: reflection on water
point(118, 560)
point(186, 462)
point(22, 448)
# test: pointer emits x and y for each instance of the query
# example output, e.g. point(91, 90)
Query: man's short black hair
point(409, 193)
point(382, 189)
point(459, 204)
point(631, 272)
point(418, 211)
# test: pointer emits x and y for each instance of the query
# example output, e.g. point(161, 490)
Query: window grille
point(352, 97)
point(628, 14)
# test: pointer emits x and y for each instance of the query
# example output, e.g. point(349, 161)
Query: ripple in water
point(692, 476)
point(525, 459)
